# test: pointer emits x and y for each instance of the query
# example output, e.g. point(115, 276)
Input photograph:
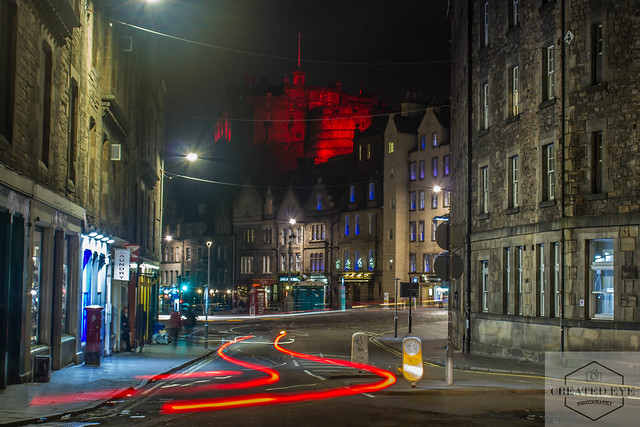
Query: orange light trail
point(262, 399)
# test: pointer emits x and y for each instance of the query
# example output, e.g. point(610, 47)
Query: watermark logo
point(591, 385)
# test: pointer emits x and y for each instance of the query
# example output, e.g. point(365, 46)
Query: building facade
point(544, 136)
point(82, 117)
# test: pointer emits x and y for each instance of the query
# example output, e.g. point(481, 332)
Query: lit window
point(513, 190)
point(421, 201)
point(421, 172)
point(484, 190)
point(446, 164)
point(413, 173)
point(372, 192)
point(602, 279)
point(352, 193)
point(434, 139)
point(412, 201)
point(434, 166)
point(549, 174)
point(412, 231)
point(347, 225)
point(357, 224)
point(485, 285)
point(391, 147)
point(514, 87)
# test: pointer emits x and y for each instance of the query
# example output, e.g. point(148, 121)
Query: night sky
point(384, 47)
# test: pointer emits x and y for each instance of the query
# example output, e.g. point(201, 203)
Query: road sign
point(443, 235)
point(441, 266)
point(408, 289)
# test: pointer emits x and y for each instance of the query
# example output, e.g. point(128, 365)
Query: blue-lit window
point(413, 171)
point(347, 225)
point(372, 191)
point(434, 139)
point(423, 142)
point(412, 231)
point(446, 166)
point(358, 261)
point(426, 261)
point(352, 194)
point(412, 201)
point(319, 203)
point(412, 263)
point(347, 261)
point(421, 231)
point(371, 260)
point(422, 199)
point(357, 224)
point(422, 168)
point(434, 166)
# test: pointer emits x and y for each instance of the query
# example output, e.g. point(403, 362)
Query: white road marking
point(296, 364)
point(291, 386)
point(313, 375)
point(368, 395)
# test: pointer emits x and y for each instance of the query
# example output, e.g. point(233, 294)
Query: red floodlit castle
point(282, 124)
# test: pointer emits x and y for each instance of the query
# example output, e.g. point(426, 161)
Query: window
point(283, 235)
point(485, 285)
point(246, 265)
point(358, 260)
point(548, 74)
point(423, 142)
point(317, 262)
point(391, 147)
point(540, 281)
point(412, 263)
point(298, 262)
point(368, 151)
point(73, 131)
point(47, 93)
point(434, 200)
point(434, 139)
point(268, 235)
point(597, 184)
point(391, 234)
point(602, 283)
point(318, 232)
point(519, 281)
point(421, 202)
point(266, 264)
point(283, 262)
point(421, 172)
point(508, 284)
point(555, 279)
point(412, 231)
point(446, 160)
point(426, 263)
point(347, 261)
point(371, 263)
point(484, 106)
point(372, 191)
point(372, 223)
point(319, 203)
point(201, 209)
point(187, 254)
point(356, 224)
point(352, 194)
point(597, 54)
point(513, 189)
point(8, 37)
point(434, 225)
point(359, 152)
point(485, 24)
point(413, 171)
point(434, 166)
point(446, 198)
point(248, 235)
point(513, 14)
point(514, 91)
point(421, 231)
point(484, 190)
point(347, 225)
point(412, 200)
point(548, 172)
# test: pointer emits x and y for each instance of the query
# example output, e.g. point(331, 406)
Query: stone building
point(81, 124)
point(545, 142)
point(416, 161)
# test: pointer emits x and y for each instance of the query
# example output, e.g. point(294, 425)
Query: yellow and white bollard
point(412, 367)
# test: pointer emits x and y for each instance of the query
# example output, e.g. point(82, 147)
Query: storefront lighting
point(105, 239)
point(98, 237)
point(93, 234)
point(110, 241)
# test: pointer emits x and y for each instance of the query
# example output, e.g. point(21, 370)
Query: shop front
point(358, 288)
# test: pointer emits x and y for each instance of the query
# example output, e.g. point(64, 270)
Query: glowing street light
point(192, 157)
point(206, 295)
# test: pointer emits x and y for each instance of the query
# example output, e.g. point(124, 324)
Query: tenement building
point(545, 137)
point(81, 125)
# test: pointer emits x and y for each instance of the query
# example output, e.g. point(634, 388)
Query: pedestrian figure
point(189, 324)
point(173, 327)
point(125, 330)
point(141, 327)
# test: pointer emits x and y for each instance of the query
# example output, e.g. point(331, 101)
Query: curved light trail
point(261, 399)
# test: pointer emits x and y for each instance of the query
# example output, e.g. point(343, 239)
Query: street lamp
point(292, 222)
point(206, 295)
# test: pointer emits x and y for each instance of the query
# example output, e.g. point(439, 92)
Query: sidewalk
point(79, 388)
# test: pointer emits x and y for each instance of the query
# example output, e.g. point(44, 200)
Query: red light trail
point(261, 399)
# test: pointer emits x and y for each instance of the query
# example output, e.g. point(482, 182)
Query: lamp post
point(206, 296)
point(292, 222)
point(449, 350)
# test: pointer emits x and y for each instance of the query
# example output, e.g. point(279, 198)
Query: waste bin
point(42, 368)
point(94, 324)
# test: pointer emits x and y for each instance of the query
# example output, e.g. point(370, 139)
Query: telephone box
point(94, 324)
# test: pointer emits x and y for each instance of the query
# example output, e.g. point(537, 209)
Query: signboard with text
point(121, 264)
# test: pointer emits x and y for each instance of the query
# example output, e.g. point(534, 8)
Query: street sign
point(441, 266)
point(408, 289)
point(443, 235)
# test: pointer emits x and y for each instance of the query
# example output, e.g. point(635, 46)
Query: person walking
point(173, 327)
point(125, 329)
